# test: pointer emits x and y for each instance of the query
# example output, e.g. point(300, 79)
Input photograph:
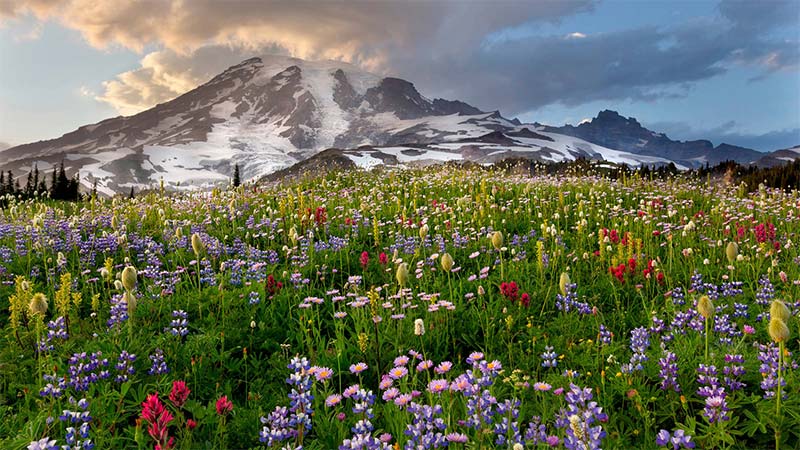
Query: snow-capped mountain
point(779, 157)
point(611, 129)
point(270, 112)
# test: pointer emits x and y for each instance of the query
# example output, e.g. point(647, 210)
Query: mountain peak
point(609, 117)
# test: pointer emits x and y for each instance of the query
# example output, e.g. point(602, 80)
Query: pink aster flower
point(358, 368)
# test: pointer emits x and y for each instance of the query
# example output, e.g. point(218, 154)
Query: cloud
point(306, 28)
point(441, 46)
point(165, 74)
point(729, 133)
point(200, 38)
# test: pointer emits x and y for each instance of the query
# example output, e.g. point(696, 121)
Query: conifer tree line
point(60, 187)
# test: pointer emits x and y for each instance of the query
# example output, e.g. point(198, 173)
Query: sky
point(727, 71)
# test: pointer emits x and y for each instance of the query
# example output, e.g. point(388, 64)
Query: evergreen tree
point(62, 184)
point(9, 183)
point(29, 186)
point(131, 194)
point(236, 180)
point(53, 184)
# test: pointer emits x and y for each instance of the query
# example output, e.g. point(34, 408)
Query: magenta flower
point(179, 393)
point(224, 406)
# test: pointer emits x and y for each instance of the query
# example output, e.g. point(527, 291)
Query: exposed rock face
point(612, 130)
point(779, 157)
point(271, 112)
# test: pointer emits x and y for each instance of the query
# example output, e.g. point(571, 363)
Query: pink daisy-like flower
point(351, 391)
point(358, 368)
point(402, 400)
point(438, 386)
point(443, 367)
point(386, 382)
point(460, 384)
point(401, 360)
point(474, 357)
point(323, 373)
point(398, 372)
point(333, 400)
point(424, 365)
point(390, 394)
point(456, 437)
point(541, 387)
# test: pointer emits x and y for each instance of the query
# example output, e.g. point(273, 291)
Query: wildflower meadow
point(405, 309)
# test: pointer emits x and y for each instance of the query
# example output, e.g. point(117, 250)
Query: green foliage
point(310, 269)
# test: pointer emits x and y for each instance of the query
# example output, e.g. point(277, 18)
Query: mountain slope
point(271, 112)
point(779, 157)
point(613, 130)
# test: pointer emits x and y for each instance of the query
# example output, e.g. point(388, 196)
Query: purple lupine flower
point(507, 424)
point(726, 329)
point(768, 355)
point(536, 432)
point(605, 335)
point(669, 372)
point(570, 301)
point(119, 312)
point(679, 440)
point(716, 405)
point(427, 428)
point(179, 324)
point(80, 415)
point(124, 366)
point(578, 419)
point(549, 357)
point(84, 370)
point(55, 386)
point(733, 371)
point(678, 297)
point(44, 443)
point(159, 366)
point(300, 410)
point(276, 427)
point(640, 342)
point(740, 310)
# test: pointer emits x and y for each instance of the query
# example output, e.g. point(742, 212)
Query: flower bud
point(423, 231)
point(419, 327)
point(447, 262)
point(129, 278)
point(38, 304)
point(497, 240)
point(778, 310)
point(731, 251)
point(118, 285)
point(563, 282)
point(705, 307)
point(778, 330)
point(402, 274)
point(197, 245)
point(129, 300)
